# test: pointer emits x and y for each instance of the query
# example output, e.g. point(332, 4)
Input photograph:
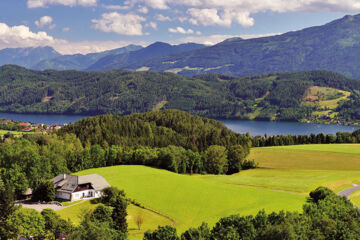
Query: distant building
point(72, 188)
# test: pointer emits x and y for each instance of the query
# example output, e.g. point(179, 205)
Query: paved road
point(349, 191)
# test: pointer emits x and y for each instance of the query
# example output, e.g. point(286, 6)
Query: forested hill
point(334, 46)
point(306, 96)
point(154, 129)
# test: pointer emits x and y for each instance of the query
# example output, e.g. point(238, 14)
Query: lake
point(255, 128)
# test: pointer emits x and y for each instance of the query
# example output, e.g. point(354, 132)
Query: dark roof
point(68, 183)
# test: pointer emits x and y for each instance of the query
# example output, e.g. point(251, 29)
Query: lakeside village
point(27, 127)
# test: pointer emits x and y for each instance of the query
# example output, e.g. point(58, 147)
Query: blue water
point(259, 128)
point(42, 118)
point(255, 128)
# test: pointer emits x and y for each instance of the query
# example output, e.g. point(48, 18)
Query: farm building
point(72, 188)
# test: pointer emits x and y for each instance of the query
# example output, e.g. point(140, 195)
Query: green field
point(191, 200)
point(310, 157)
point(285, 177)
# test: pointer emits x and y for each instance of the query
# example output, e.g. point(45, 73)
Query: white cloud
point(210, 16)
point(115, 7)
point(44, 21)
point(181, 30)
point(66, 29)
point(162, 18)
point(69, 3)
point(153, 25)
point(143, 10)
point(214, 39)
point(21, 36)
point(123, 24)
point(228, 12)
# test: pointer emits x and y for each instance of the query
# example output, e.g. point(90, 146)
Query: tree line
point(340, 137)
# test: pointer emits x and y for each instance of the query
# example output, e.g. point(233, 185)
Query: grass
point(2, 132)
point(355, 198)
point(66, 204)
point(310, 157)
point(292, 180)
point(325, 97)
point(192, 200)
point(286, 176)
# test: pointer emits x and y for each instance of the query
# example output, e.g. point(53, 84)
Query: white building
point(73, 188)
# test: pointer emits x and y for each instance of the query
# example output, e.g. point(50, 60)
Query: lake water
point(255, 128)
point(259, 128)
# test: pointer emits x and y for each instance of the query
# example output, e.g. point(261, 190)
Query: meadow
point(285, 177)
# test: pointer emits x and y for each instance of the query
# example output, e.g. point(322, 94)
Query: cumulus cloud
point(153, 25)
point(227, 12)
point(162, 18)
point(44, 21)
point(115, 7)
point(181, 30)
point(123, 24)
point(21, 36)
point(143, 10)
point(70, 3)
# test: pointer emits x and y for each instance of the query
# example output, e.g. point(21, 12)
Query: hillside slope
point(26, 57)
point(79, 61)
point(318, 96)
point(119, 61)
point(334, 46)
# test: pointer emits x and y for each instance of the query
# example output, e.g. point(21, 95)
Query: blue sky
point(82, 26)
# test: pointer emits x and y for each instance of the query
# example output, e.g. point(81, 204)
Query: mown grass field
point(285, 177)
point(191, 200)
point(311, 157)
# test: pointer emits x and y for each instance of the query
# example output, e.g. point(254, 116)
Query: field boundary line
point(269, 189)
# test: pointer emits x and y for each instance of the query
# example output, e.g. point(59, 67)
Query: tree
point(102, 214)
point(119, 214)
point(16, 177)
point(109, 195)
point(26, 222)
point(139, 219)
point(7, 208)
point(200, 233)
point(45, 191)
point(236, 155)
point(216, 160)
point(162, 233)
point(55, 224)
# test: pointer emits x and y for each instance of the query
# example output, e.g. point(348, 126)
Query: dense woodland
point(340, 137)
point(324, 216)
point(269, 96)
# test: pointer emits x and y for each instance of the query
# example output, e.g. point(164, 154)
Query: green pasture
point(191, 200)
point(310, 157)
point(290, 180)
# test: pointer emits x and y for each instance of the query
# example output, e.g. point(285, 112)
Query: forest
point(278, 96)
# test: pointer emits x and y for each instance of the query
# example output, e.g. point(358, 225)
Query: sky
point(84, 26)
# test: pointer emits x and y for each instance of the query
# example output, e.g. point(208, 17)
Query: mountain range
point(334, 46)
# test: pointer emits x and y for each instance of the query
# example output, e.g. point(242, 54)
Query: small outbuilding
point(73, 188)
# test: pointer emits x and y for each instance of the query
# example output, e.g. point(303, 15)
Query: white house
point(72, 188)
